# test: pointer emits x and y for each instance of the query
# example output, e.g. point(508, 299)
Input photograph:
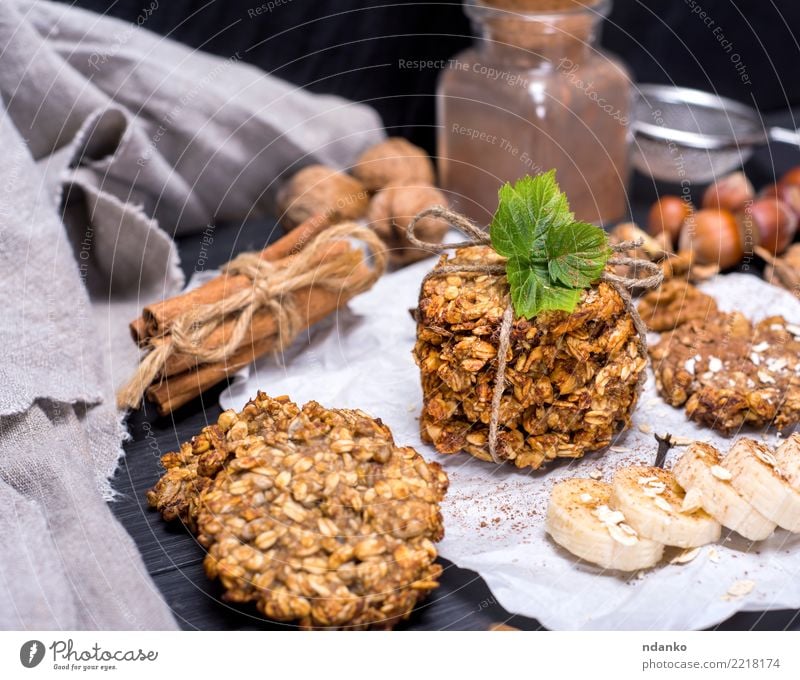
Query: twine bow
point(272, 286)
point(480, 237)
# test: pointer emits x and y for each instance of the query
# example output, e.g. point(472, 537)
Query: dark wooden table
point(174, 558)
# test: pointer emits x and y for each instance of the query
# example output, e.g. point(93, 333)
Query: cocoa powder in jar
point(536, 93)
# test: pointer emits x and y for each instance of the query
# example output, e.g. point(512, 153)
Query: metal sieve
point(682, 134)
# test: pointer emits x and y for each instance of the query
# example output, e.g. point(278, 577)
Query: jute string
point(272, 286)
point(480, 237)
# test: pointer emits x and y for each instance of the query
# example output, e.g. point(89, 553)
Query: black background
point(353, 47)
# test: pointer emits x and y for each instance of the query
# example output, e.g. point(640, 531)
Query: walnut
point(393, 160)
point(391, 210)
point(319, 189)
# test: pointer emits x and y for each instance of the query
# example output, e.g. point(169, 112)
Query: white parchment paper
point(494, 515)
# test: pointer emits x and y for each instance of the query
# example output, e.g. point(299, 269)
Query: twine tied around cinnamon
point(480, 237)
point(272, 286)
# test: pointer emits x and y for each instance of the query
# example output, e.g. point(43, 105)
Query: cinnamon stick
point(139, 330)
point(264, 325)
point(158, 316)
point(182, 388)
point(316, 304)
point(179, 387)
point(327, 274)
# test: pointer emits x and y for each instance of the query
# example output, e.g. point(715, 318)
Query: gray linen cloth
point(113, 140)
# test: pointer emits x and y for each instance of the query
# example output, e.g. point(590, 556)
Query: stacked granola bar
point(572, 379)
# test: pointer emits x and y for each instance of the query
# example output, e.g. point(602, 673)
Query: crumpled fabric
point(114, 140)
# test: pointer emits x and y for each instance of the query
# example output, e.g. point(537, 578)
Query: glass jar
point(536, 92)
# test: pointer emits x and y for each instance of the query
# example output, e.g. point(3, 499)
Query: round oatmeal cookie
point(730, 373)
point(320, 519)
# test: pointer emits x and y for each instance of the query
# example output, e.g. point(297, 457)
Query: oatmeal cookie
point(729, 373)
point(314, 514)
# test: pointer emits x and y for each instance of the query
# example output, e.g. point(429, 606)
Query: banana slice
point(758, 478)
point(788, 457)
point(652, 501)
point(579, 519)
point(700, 471)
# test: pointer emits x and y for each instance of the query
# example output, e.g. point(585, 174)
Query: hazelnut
point(392, 209)
point(733, 192)
point(668, 215)
point(791, 176)
point(770, 223)
point(319, 189)
point(393, 161)
point(788, 193)
point(712, 236)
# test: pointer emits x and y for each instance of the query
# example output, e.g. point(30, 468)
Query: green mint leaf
point(576, 254)
point(526, 212)
point(533, 291)
point(551, 257)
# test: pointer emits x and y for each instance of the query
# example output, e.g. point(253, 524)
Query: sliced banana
point(701, 473)
point(788, 457)
point(653, 503)
point(757, 476)
point(580, 519)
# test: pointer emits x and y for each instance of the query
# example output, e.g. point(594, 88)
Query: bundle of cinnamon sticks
point(182, 370)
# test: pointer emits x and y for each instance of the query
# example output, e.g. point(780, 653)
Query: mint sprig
point(551, 257)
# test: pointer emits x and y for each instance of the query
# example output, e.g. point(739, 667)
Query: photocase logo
point(31, 653)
